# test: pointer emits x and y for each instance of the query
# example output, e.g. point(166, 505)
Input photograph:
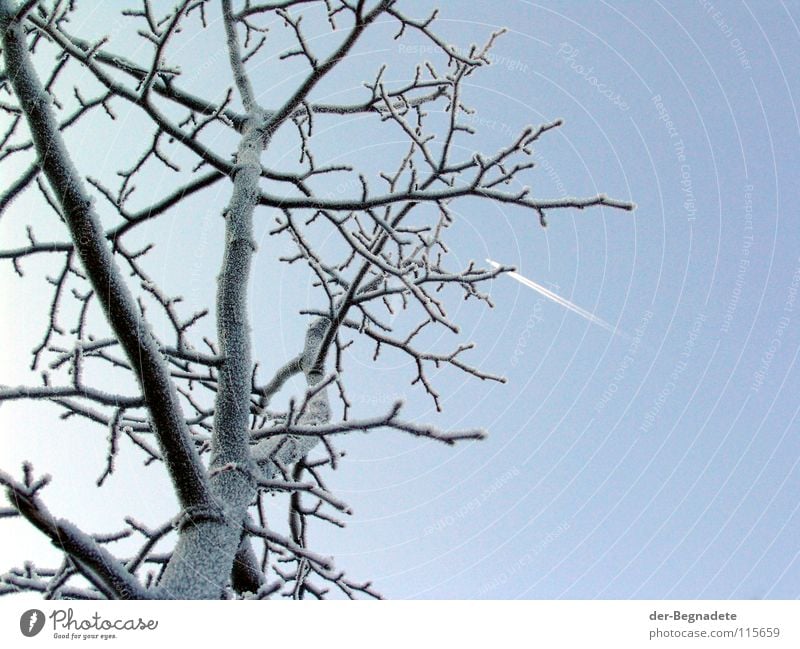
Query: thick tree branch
point(186, 471)
point(96, 563)
point(212, 545)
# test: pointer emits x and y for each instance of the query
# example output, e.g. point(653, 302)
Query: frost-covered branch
point(95, 563)
point(388, 420)
point(87, 236)
point(192, 398)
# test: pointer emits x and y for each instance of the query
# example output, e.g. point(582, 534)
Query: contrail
point(591, 317)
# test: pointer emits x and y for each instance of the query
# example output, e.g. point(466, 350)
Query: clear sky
point(663, 462)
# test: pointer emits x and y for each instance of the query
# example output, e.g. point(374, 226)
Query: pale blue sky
point(662, 463)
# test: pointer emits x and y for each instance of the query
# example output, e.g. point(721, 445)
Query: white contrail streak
point(591, 317)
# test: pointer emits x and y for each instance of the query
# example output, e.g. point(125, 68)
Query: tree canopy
point(234, 98)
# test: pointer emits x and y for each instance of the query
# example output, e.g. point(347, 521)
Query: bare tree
point(195, 405)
